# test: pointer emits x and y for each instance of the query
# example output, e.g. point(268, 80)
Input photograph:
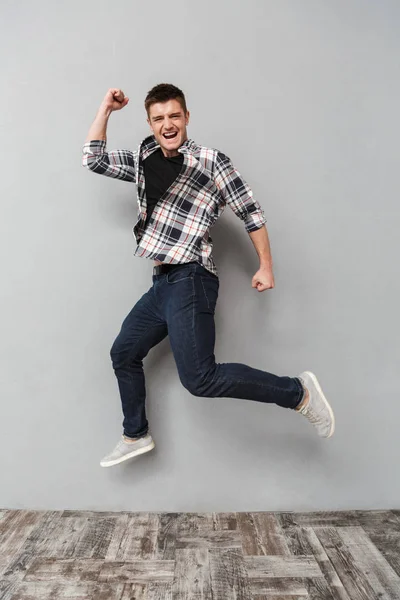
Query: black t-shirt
point(159, 172)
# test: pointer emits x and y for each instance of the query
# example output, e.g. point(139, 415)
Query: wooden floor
point(141, 556)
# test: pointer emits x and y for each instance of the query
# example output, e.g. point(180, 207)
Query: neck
point(169, 153)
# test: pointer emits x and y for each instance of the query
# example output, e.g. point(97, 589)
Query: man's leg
point(191, 327)
point(192, 335)
point(142, 329)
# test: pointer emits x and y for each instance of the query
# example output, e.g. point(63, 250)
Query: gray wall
point(304, 97)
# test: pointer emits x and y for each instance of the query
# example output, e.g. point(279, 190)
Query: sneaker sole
point(328, 406)
point(132, 454)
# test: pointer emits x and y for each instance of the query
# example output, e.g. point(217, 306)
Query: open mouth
point(170, 136)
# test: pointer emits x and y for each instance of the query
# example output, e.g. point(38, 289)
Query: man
point(182, 189)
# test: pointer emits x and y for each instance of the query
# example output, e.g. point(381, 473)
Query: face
point(168, 122)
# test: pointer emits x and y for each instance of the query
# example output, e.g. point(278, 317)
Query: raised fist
point(115, 99)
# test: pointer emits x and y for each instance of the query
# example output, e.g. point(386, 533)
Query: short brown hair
point(162, 93)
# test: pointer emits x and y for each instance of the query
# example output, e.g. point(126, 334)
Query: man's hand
point(115, 99)
point(263, 279)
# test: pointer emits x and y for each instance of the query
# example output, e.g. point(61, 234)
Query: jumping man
point(182, 189)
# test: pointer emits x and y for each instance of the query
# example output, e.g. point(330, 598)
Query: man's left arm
point(264, 278)
point(239, 196)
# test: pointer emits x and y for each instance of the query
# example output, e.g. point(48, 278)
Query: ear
point(148, 120)
point(187, 117)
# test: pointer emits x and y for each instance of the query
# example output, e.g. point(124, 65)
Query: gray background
point(304, 97)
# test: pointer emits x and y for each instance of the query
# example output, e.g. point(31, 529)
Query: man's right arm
point(120, 164)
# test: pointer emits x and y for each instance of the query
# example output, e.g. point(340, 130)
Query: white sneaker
point(318, 410)
point(125, 450)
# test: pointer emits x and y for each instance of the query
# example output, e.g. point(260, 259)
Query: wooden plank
point(294, 535)
point(139, 540)
point(383, 579)
point(285, 597)
point(317, 519)
point(53, 591)
point(64, 571)
point(192, 575)
point(168, 528)
point(333, 581)
point(94, 514)
point(136, 591)
point(388, 545)
point(352, 577)
point(278, 586)
point(137, 571)
point(385, 520)
point(247, 529)
point(211, 539)
point(3, 513)
point(95, 538)
point(147, 591)
point(37, 544)
point(120, 527)
point(191, 523)
point(66, 536)
point(296, 541)
point(9, 519)
point(16, 527)
point(385, 534)
point(225, 521)
point(259, 567)
point(158, 591)
point(318, 588)
point(351, 518)
point(228, 575)
point(392, 540)
point(17, 519)
point(270, 538)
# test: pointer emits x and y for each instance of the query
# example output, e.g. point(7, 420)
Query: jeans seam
point(193, 327)
point(205, 293)
point(181, 279)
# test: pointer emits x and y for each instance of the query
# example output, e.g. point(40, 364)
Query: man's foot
point(315, 406)
point(125, 450)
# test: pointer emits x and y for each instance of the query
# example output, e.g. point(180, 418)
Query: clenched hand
point(263, 279)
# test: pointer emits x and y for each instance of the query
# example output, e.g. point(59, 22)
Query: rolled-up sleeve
point(237, 193)
point(120, 164)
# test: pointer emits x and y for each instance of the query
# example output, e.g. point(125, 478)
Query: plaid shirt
point(178, 230)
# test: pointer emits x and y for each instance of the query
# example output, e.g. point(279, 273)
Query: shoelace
point(307, 412)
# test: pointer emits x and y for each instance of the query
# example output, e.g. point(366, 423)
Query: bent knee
point(197, 387)
point(121, 354)
point(116, 355)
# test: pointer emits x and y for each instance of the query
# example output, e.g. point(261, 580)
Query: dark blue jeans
point(181, 304)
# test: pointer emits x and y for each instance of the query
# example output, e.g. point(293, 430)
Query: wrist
point(104, 112)
point(266, 266)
